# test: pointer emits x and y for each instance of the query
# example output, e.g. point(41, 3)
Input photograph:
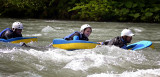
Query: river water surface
point(40, 60)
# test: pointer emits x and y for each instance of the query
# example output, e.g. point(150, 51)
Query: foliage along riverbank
point(89, 10)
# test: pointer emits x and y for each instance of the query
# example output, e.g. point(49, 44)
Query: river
point(40, 60)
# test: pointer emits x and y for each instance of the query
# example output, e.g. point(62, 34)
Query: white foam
point(48, 29)
point(139, 73)
point(7, 50)
point(104, 56)
point(111, 61)
point(33, 34)
point(138, 30)
point(58, 28)
point(85, 61)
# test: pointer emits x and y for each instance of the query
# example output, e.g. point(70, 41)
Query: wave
point(101, 61)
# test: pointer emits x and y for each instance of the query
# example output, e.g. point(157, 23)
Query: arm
point(24, 44)
point(105, 42)
point(116, 42)
point(8, 34)
point(76, 37)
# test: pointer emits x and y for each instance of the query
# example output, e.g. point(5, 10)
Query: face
point(18, 31)
point(87, 32)
point(128, 39)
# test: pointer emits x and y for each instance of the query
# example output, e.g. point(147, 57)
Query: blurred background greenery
point(86, 10)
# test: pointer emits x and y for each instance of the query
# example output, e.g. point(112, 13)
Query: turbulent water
point(40, 60)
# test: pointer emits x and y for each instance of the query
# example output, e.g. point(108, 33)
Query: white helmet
point(17, 25)
point(85, 26)
point(127, 32)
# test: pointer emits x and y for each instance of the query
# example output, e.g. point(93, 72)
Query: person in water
point(84, 33)
point(15, 31)
point(120, 41)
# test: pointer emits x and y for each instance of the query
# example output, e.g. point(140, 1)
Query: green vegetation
point(90, 10)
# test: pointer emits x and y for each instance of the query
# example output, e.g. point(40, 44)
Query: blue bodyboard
point(140, 45)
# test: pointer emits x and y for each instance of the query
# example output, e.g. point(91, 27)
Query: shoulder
point(9, 31)
point(77, 33)
point(115, 40)
point(118, 37)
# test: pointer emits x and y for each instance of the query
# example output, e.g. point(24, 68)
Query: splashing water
point(103, 61)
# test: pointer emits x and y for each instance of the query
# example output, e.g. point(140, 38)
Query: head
point(17, 27)
point(127, 34)
point(86, 29)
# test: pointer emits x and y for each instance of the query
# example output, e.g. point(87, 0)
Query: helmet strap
point(13, 29)
point(82, 31)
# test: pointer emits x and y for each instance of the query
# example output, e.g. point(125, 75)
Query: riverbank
point(105, 10)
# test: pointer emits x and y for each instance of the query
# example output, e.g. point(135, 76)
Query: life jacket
point(69, 36)
point(4, 31)
point(124, 44)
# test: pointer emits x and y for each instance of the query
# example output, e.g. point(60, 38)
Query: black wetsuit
point(9, 34)
point(117, 41)
point(81, 36)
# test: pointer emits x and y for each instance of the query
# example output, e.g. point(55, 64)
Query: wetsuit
point(8, 33)
point(76, 36)
point(117, 41)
